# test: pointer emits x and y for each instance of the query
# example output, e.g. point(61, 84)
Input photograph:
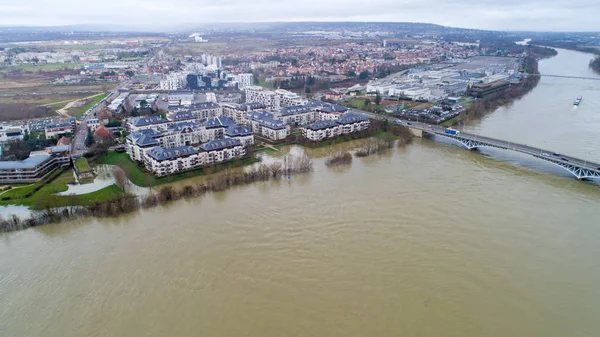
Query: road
point(78, 147)
point(526, 149)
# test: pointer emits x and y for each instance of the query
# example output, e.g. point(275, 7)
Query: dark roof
point(28, 163)
point(350, 118)
point(331, 108)
point(266, 119)
point(145, 140)
point(252, 106)
point(322, 125)
point(160, 154)
point(178, 127)
point(203, 105)
point(218, 122)
point(143, 121)
point(237, 131)
point(220, 144)
point(180, 115)
point(293, 110)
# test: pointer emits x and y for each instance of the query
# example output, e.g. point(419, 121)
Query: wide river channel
point(427, 240)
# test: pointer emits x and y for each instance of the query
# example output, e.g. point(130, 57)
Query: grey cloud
point(553, 15)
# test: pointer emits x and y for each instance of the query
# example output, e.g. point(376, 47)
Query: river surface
point(428, 240)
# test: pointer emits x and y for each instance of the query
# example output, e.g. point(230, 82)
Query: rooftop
point(28, 163)
point(220, 144)
point(143, 121)
point(220, 121)
point(237, 131)
point(159, 153)
point(322, 125)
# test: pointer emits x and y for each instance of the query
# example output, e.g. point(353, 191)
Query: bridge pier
point(416, 132)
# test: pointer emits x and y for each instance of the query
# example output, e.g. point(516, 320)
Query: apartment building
point(346, 124)
point(330, 112)
point(138, 142)
point(256, 94)
point(240, 133)
point(273, 99)
point(320, 130)
point(295, 115)
point(205, 110)
point(262, 123)
point(244, 80)
point(58, 127)
point(161, 161)
point(37, 166)
point(10, 133)
point(214, 128)
point(173, 81)
point(181, 134)
point(237, 112)
point(221, 150)
point(152, 122)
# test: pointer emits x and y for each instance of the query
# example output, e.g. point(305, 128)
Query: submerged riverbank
point(480, 107)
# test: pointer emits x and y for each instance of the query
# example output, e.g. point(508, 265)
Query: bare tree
point(120, 178)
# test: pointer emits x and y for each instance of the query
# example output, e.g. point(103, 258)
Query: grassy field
point(79, 111)
point(41, 67)
point(45, 197)
point(146, 179)
point(82, 165)
point(359, 103)
point(267, 85)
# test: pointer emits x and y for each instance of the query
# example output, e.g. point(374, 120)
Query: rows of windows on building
point(205, 78)
point(194, 135)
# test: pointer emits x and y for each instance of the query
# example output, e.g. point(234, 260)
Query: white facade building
point(244, 80)
point(346, 124)
point(173, 81)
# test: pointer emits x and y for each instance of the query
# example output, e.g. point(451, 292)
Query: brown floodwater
point(427, 240)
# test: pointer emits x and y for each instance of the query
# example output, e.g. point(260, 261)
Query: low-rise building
point(320, 130)
point(92, 124)
point(162, 161)
point(296, 115)
point(330, 112)
point(221, 150)
point(36, 167)
point(10, 133)
point(152, 122)
point(181, 134)
point(263, 124)
point(180, 98)
point(240, 133)
point(206, 110)
point(214, 128)
point(139, 142)
point(58, 127)
point(346, 124)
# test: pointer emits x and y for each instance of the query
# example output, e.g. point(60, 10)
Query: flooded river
point(429, 240)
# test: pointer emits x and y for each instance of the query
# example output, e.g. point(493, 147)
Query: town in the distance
point(167, 106)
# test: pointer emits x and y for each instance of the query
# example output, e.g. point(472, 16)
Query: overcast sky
point(538, 15)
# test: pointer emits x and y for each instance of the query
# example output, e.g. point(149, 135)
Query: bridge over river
point(580, 168)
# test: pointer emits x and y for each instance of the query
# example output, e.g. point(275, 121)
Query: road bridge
point(566, 76)
point(580, 168)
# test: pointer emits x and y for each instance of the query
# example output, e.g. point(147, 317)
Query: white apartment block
point(346, 124)
point(256, 94)
point(173, 81)
point(295, 115)
point(181, 134)
point(221, 150)
point(244, 80)
point(206, 110)
point(143, 123)
point(162, 162)
point(288, 98)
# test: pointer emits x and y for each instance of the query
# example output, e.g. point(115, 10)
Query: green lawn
point(78, 112)
point(82, 165)
point(144, 178)
point(268, 85)
point(45, 197)
point(107, 193)
point(41, 67)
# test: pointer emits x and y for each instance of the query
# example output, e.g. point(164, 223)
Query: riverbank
point(127, 203)
point(480, 107)
point(594, 64)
